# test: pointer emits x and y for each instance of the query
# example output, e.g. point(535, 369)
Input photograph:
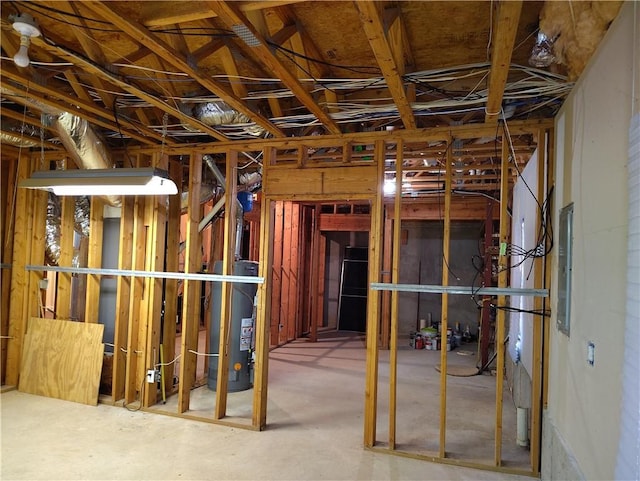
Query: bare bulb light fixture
point(27, 27)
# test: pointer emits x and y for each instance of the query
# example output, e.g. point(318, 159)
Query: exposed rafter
point(232, 16)
point(140, 34)
point(504, 37)
point(374, 30)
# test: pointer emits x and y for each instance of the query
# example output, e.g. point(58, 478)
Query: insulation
point(81, 213)
point(52, 230)
point(17, 140)
point(84, 145)
point(578, 28)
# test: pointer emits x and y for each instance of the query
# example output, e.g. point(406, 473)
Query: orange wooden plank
point(276, 284)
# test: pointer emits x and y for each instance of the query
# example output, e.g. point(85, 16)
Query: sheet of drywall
point(62, 359)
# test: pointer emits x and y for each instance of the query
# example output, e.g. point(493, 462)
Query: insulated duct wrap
point(52, 230)
point(219, 113)
point(84, 145)
point(82, 215)
point(17, 140)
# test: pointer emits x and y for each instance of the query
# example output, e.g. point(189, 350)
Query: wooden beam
point(126, 85)
point(276, 274)
point(191, 289)
point(503, 271)
point(94, 259)
point(373, 304)
point(505, 28)
point(395, 278)
point(228, 258)
point(67, 222)
point(34, 91)
point(446, 246)
point(25, 118)
point(161, 48)
point(261, 365)
point(373, 27)
point(123, 296)
point(345, 222)
point(231, 69)
point(168, 340)
point(231, 15)
point(166, 13)
point(134, 377)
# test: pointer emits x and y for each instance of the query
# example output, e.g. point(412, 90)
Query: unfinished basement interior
point(294, 239)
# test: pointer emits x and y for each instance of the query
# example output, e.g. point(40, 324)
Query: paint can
point(419, 342)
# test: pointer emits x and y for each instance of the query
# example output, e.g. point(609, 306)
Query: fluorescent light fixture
point(138, 181)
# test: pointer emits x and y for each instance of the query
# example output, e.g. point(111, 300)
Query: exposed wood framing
point(503, 271)
point(169, 55)
point(231, 15)
point(276, 276)
point(446, 245)
point(375, 32)
point(395, 278)
point(155, 261)
point(63, 284)
point(285, 292)
point(94, 259)
point(171, 285)
point(123, 298)
point(134, 377)
point(373, 304)
point(19, 308)
point(504, 36)
point(230, 193)
point(191, 289)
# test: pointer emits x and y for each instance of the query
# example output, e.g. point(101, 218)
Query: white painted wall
point(524, 234)
point(591, 156)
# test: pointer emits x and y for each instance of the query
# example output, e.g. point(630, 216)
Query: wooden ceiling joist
point(89, 112)
point(94, 69)
point(231, 16)
point(504, 36)
point(168, 54)
point(392, 72)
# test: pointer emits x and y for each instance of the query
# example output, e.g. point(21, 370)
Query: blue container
point(246, 200)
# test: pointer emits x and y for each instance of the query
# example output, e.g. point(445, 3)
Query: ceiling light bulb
point(21, 58)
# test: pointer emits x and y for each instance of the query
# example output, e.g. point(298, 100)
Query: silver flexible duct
point(84, 145)
point(52, 230)
point(17, 140)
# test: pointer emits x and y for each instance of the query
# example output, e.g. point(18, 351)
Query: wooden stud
point(94, 260)
point(123, 298)
point(294, 269)
point(63, 295)
point(503, 270)
point(316, 300)
point(322, 254)
point(191, 289)
point(387, 252)
point(263, 315)
point(228, 259)
point(8, 194)
point(276, 288)
point(171, 285)
point(395, 278)
point(18, 312)
point(373, 304)
point(286, 276)
point(155, 262)
point(446, 245)
point(550, 153)
point(133, 381)
point(538, 321)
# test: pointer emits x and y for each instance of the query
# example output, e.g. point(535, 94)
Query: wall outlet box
point(151, 376)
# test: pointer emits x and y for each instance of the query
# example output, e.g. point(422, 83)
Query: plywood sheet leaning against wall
point(62, 359)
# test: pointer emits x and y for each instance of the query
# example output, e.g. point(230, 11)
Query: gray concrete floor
point(315, 425)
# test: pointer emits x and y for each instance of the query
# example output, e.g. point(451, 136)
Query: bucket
point(246, 200)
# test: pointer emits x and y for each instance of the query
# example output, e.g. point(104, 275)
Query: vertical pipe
point(446, 236)
point(503, 267)
point(395, 278)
